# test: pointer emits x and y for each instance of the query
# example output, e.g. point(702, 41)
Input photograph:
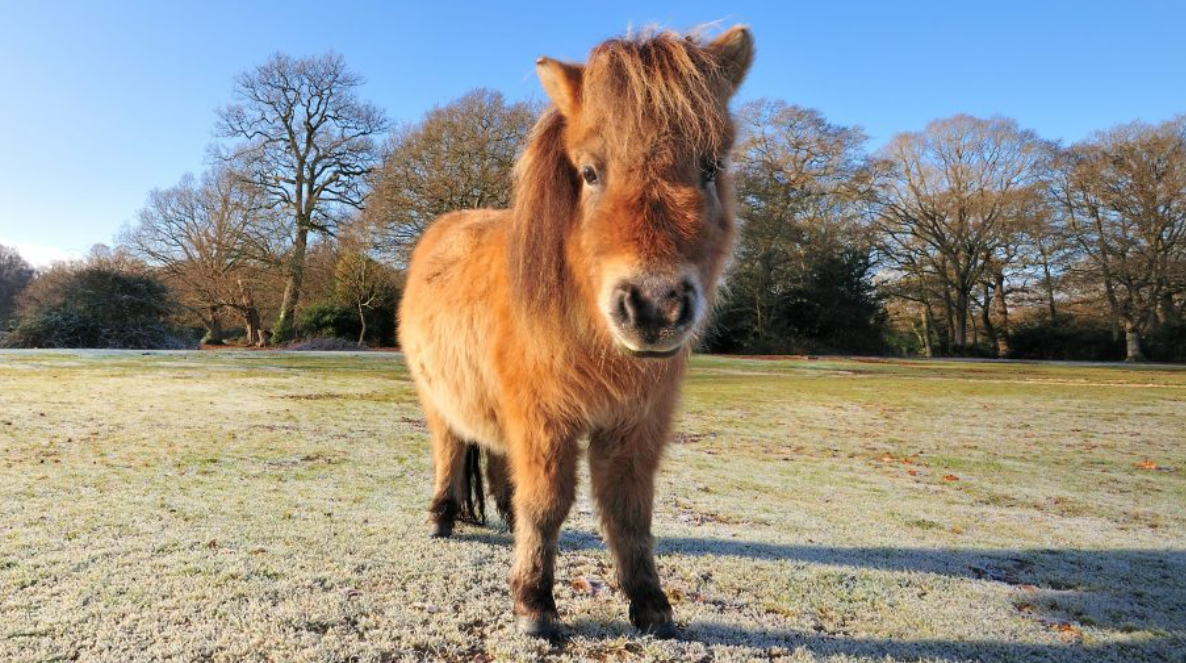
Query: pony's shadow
point(1123, 590)
point(711, 633)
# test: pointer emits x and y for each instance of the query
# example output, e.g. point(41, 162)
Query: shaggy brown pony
point(571, 316)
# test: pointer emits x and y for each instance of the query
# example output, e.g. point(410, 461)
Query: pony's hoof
point(440, 530)
point(660, 630)
point(541, 626)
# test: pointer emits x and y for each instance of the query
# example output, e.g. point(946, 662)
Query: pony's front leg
point(622, 464)
point(543, 467)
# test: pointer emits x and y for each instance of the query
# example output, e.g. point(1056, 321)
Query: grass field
point(266, 506)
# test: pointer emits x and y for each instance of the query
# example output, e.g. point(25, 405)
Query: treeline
point(972, 237)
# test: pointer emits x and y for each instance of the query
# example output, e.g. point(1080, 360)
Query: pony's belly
point(471, 420)
point(450, 376)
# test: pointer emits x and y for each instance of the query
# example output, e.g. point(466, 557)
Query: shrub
point(334, 320)
point(326, 345)
point(328, 320)
point(96, 307)
point(1167, 342)
point(827, 305)
point(1068, 339)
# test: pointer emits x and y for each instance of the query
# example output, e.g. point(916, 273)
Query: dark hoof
point(543, 626)
point(440, 530)
point(660, 630)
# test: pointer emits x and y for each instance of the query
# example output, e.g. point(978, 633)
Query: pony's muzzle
point(653, 316)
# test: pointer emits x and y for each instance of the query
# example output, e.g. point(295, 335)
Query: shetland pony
point(571, 315)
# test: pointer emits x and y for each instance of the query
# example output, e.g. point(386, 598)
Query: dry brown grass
point(260, 506)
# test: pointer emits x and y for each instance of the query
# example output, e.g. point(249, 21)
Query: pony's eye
point(590, 174)
point(709, 167)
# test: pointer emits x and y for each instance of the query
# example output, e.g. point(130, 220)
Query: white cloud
point(38, 255)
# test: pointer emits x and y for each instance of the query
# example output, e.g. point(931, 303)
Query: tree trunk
point(1003, 314)
point(292, 286)
point(1050, 303)
point(1113, 308)
point(1132, 342)
point(362, 319)
point(990, 329)
point(949, 312)
point(251, 320)
point(255, 335)
point(961, 320)
point(1048, 284)
point(214, 333)
point(928, 347)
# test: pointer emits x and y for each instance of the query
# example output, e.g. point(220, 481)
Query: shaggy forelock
point(656, 84)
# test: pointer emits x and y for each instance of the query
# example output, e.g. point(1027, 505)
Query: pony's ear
point(562, 82)
point(734, 51)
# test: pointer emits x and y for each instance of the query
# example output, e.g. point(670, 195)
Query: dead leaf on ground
point(591, 585)
point(1062, 627)
point(950, 477)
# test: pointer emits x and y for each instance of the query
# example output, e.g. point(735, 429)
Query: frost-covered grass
point(270, 506)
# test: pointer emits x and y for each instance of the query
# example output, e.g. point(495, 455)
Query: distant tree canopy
point(972, 236)
point(459, 156)
point(97, 306)
point(1120, 198)
point(801, 274)
point(15, 276)
point(951, 210)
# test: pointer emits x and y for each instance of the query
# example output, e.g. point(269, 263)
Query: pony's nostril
point(636, 305)
point(687, 310)
point(623, 308)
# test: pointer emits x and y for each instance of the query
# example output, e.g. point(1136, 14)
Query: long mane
point(545, 199)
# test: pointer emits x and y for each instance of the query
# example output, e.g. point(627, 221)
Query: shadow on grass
point(1169, 648)
point(1124, 590)
point(1119, 589)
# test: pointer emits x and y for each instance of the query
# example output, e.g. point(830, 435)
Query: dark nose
point(654, 308)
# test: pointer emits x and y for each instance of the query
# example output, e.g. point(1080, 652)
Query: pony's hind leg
point(622, 468)
point(450, 487)
point(498, 476)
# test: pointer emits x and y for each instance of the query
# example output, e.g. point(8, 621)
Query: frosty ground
point(271, 506)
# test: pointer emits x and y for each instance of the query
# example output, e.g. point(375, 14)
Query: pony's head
point(622, 191)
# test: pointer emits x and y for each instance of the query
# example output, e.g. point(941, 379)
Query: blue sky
point(102, 101)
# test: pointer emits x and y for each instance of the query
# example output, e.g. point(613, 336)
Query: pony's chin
point(651, 354)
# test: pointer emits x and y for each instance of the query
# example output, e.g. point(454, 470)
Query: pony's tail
point(473, 490)
point(498, 476)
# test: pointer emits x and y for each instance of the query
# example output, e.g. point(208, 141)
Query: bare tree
point(1123, 196)
point(202, 237)
point(306, 142)
point(15, 275)
point(961, 189)
point(460, 156)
